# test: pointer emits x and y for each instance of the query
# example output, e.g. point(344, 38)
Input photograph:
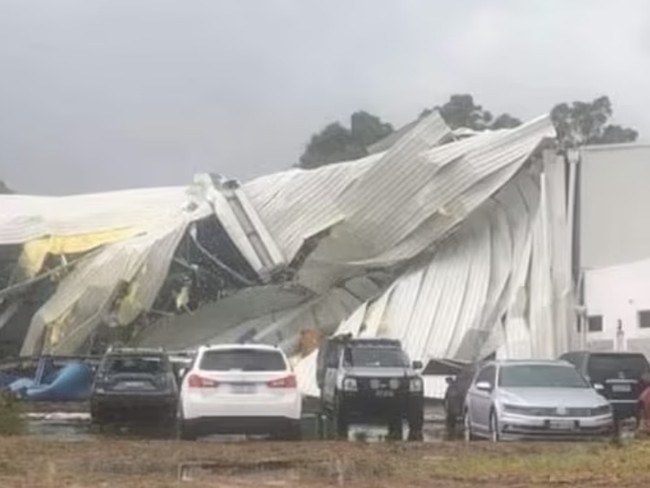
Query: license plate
point(133, 384)
point(385, 394)
point(243, 389)
point(561, 424)
point(621, 388)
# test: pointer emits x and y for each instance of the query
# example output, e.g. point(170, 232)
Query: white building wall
point(618, 294)
point(614, 203)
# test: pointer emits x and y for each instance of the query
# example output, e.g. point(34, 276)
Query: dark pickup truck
point(370, 381)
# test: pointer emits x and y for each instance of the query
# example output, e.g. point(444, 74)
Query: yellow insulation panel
point(35, 252)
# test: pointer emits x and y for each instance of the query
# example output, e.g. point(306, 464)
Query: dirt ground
point(33, 462)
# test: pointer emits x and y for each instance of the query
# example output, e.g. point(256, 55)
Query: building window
point(644, 319)
point(595, 323)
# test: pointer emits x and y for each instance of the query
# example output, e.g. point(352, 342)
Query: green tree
point(333, 144)
point(576, 124)
point(505, 121)
point(462, 111)
point(583, 123)
point(336, 143)
point(366, 129)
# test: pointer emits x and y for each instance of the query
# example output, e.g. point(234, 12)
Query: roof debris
point(441, 239)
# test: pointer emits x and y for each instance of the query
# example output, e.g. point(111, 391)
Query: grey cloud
point(120, 93)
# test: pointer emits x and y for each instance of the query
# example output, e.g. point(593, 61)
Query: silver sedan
point(522, 399)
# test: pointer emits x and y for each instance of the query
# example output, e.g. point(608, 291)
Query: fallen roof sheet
point(452, 226)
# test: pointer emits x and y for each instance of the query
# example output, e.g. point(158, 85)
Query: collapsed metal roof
point(442, 242)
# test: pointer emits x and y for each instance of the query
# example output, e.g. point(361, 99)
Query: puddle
point(62, 426)
point(71, 426)
point(272, 470)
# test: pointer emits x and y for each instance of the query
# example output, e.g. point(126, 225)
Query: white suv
point(240, 389)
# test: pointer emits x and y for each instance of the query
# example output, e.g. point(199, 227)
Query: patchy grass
point(11, 419)
point(594, 464)
point(30, 462)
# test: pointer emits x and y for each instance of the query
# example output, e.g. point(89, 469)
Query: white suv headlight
point(349, 384)
point(415, 385)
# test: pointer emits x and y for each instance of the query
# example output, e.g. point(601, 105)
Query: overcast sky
point(106, 94)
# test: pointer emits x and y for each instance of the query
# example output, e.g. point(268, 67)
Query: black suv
point(616, 375)
point(135, 385)
point(368, 380)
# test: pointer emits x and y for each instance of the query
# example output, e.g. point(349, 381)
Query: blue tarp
point(72, 382)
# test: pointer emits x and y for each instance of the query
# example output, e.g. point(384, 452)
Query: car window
point(486, 374)
point(135, 365)
point(376, 357)
point(540, 376)
point(242, 360)
point(603, 366)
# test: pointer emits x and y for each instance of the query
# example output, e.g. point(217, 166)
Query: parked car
point(240, 389)
point(368, 381)
point(616, 375)
point(644, 405)
point(134, 386)
point(521, 399)
point(454, 401)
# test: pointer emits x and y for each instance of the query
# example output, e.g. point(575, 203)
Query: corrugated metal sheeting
point(457, 248)
point(488, 287)
point(156, 220)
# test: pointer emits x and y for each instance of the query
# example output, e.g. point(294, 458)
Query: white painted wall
point(618, 293)
point(614, 203)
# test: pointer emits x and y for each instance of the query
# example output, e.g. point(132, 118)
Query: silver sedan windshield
point(540, 376)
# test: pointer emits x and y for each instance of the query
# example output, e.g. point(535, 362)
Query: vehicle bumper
point(625, 409)
point(198, 406)
point(367, 406)
point(518, 426)
point(107, 406)
point(204, 426)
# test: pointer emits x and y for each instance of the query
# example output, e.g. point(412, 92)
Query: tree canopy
point(337, 143)
point(462, 111)
point(586, 123)
point(576, 124)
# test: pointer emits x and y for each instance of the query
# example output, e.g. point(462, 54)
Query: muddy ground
point(30, 461)
point(60, 450)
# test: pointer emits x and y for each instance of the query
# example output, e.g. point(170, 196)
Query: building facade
point(613, 247)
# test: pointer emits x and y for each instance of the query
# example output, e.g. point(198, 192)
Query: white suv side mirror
point(484, 386)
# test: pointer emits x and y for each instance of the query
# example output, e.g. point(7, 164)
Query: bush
point(11, 418)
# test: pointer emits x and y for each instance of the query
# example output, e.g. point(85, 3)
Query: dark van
point(616, 375)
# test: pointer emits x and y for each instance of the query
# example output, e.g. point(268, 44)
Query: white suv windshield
point(540, 376)
point(242, 360)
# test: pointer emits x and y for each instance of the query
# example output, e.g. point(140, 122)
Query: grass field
point(28, 462)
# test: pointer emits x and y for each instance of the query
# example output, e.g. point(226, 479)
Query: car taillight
point(196, 381)
point(286, 382)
